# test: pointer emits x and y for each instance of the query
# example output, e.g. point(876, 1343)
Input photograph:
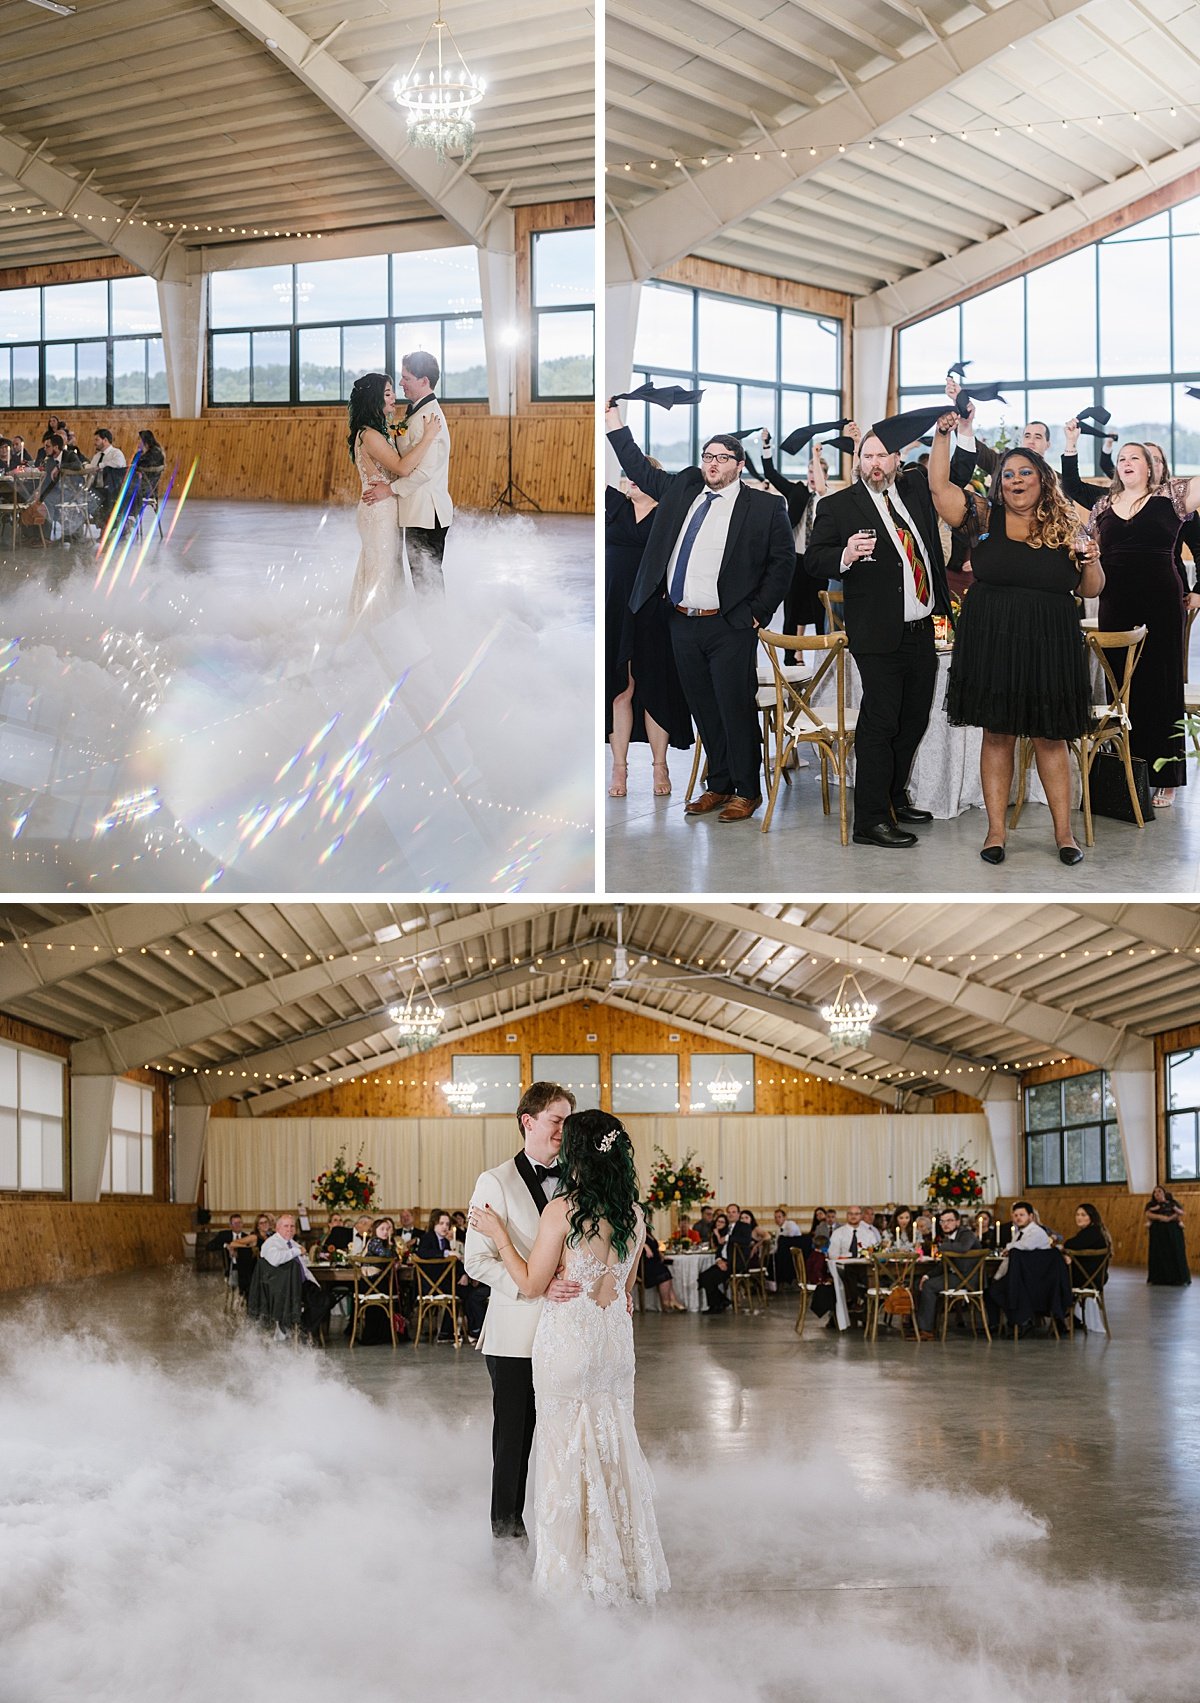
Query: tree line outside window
point(1111, 324)
point(1071, 1132)
point(95, 344)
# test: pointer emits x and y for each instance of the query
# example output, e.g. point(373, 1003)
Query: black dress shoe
point(883, 834)
point(1070, 854)
point(992, 854)
point(910, 813)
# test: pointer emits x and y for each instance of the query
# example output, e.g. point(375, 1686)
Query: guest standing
point(1189, 532)
point(802, 606)
point(1168, 1262)
point(1020, 663)
point(645, 701)
point(1137, 528)
point(722, 557)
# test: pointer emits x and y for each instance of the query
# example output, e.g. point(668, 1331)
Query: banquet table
point(862, 1262)
point(685, 1273)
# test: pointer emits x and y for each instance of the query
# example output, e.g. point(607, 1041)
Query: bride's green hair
point(365, 407)
point(597, 1173)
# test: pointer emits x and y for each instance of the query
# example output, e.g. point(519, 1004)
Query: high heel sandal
point(662, 789)
point(1164, 798)
point(619, 785)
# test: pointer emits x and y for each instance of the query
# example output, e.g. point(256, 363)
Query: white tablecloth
point(685, 1273)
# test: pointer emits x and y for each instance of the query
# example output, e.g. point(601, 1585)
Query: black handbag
point(1109, 788)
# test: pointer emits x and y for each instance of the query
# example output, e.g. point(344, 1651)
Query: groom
point(517, 1191)
point(425, 507)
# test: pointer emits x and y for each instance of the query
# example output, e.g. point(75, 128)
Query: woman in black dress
point(645, 702)
point(1168, 1261)
point(1189, 532)
point(656, 1274)
point(1138, 527)
point(1020, 667)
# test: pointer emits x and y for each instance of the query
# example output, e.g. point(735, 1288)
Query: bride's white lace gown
point(379, 580)
point(594, 1500)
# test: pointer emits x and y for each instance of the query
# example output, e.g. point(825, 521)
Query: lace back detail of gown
point(596, 1531)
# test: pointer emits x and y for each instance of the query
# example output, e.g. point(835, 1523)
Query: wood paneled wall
point(548, 216)
point(30, 1035)
point(60, 1241)
point(412, 1089)
point(299, 455)
point(66, 272)
point(1123, 1214)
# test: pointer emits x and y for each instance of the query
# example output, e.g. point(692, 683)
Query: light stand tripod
point(508, 497)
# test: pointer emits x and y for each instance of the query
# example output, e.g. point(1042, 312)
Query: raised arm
point(532, 1278)
point(652, 480)
point(793, 491)
point(1087, 496)
point(949, 499)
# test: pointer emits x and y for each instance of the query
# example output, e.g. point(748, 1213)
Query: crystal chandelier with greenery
point(439, 94)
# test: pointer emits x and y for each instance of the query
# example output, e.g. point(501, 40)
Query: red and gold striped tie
point(915, 563)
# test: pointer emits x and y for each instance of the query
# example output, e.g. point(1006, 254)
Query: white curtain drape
point(757, 1161)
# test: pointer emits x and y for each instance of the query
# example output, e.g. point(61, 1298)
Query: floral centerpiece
point(952, 1182)
point(676, 1186)
point(345, 1187)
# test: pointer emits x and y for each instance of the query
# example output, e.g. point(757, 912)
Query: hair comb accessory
point(605, 1142)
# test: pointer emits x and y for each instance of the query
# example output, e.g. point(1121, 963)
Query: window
point(787, 372)
point(497, 1080)
point(580, 1072)
point(1071, 1133)
point(564, 316)
point(707, 1065)
point(91, 345)
point(31, 1120)
point(1183, 1115)
point(304, 333)
point(1051, 363)
point(645, 1082)
point(129, 1161)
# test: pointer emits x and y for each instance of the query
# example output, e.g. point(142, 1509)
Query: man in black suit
point(715, 1281)
point(954, 1237)
point(723, 556)
point(880, 537)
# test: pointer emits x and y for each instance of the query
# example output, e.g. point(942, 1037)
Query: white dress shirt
point(1032, 1236)
point(704, 563)
point(276, 1251)
point(839, 1242)
point(914, 609)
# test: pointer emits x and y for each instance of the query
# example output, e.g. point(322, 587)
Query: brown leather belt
point(681, 610)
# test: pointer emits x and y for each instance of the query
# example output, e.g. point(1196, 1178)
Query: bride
point(372, 405)
point(594, 1509)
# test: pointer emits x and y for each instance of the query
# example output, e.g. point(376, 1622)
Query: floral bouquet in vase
point(345, 1187)
point(952, 1182)
point(676, 1187)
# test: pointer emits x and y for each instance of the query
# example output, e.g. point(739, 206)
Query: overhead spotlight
point(53, 6)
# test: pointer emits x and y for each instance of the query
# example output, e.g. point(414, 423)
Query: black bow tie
point(541, 1172)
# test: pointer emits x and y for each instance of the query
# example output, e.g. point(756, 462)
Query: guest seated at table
point(855, 1236)
point(406, 1226)
point(106, 471)
point(20, 455)
point(244, 1250)
point(459, 1220)
point(1026, 1232)
point(688, 1231)
point(382, 1240)
point(1091, 1237)
point(954, 1237)
point(902, 1227)
point(151, 460)
point(221, 1241)
point(72, 456)
point(787, 1235)
point(785, 1227)
point(269, 1301)
point(808, 1237)
point(1012, 1291)
point(49, 492)
point(362, 1235)
point(656, 1274)
point(715, 1281)
point(719, 1231)
point(871, 1218)
point(338, 1236)
point(438, 1241)
point(922, 1230)
point(989, 1232)
point(704, 1226)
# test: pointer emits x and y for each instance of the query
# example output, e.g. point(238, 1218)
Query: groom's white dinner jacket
point(512, 1319)
point(424, 494)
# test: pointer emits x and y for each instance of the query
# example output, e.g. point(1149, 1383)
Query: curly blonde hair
point(1053, 525)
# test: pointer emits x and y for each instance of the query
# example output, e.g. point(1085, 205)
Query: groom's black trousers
point(426, 546)
point(512, 1439)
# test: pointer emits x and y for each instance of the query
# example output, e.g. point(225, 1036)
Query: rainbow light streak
point(370, 798)
point(19, 824)
point(10, 655)
point(135, 808)
point(307, 750)
point(210, 881)
point(269, 826)
point(463, 680)
point(329, 850)
point(182, 498)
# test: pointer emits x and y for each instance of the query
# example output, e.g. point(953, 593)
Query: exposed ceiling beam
point(692, 213)
point(1088, 1038)
point(376, 121)
point(56, 954)
point(925, 292)
point(175, 1031)
point(69, 198)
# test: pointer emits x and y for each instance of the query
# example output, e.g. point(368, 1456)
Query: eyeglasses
point(716, 458)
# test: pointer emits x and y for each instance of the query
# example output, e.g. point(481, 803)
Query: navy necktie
point(854, 1245)
point(685, 549)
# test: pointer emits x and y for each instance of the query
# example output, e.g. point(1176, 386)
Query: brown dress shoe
point(707, 801)
point(739, 809)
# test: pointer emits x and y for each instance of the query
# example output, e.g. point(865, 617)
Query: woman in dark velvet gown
point(1138, 527)
point(656, 1274)
point(802, 607)
point(1020, 666)
point(1189, 532)
point(644, 702)
point(1168, 1261)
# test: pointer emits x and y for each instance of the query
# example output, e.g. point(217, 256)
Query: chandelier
point(439, 98)
point(851, 1014)
point(417, 1025)
point(724, 1089)
point(461, 1096)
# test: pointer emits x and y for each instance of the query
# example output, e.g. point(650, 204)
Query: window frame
point(22, 1188)
point(1104, 1122)
point(536, 313)
point(109, 339)
point(1170, 1112)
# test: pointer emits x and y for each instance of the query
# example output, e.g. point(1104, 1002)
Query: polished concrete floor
point(650, 847)
point(208, 716)
point(1016, 1521)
